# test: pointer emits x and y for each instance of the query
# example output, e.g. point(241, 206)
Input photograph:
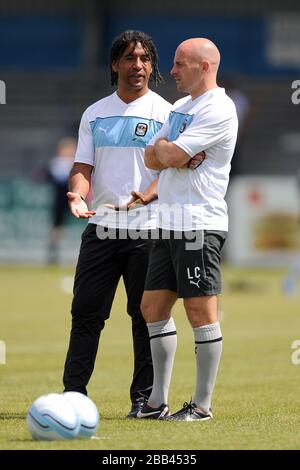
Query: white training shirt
point(194, 199)
point(112, 138)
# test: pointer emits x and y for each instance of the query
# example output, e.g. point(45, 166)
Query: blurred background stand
point(54, 60)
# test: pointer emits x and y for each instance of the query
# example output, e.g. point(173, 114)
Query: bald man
point(193, 223)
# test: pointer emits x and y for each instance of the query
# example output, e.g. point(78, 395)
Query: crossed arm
point(164, 154)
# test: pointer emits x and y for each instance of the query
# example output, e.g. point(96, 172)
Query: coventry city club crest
point(141, 129)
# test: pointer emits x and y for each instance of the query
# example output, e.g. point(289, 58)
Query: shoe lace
point(188, 407)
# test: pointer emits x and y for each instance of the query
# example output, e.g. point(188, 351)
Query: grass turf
point(256, 401)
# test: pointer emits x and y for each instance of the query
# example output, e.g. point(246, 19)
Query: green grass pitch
point(256, 401)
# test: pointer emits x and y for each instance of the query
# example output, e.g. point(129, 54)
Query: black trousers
point(100, 265)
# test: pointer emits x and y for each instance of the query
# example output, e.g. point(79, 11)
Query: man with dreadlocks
point(113, 135)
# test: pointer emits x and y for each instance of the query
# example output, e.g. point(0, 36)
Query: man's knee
point(147, 309)
point(151, 310)
point(157, 305)
point(201, 310)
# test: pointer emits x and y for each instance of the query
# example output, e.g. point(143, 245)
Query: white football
point(87, 412)
point(53, 417)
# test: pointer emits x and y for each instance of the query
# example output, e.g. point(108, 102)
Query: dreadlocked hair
point(120, 44)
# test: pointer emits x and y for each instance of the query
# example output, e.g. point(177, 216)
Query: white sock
point(208, 342)
point(163, 342)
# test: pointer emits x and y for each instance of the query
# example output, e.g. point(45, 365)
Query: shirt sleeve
point(85, 152)
point(203, 132)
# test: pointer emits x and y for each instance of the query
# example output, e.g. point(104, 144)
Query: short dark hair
point(120, 44)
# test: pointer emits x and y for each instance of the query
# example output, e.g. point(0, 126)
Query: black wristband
point(82, 198)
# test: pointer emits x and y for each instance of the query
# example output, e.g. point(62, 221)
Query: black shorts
point(189, 267)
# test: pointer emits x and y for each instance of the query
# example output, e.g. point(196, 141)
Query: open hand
point(141, 199)
point(137, 199)
point(78, 207)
